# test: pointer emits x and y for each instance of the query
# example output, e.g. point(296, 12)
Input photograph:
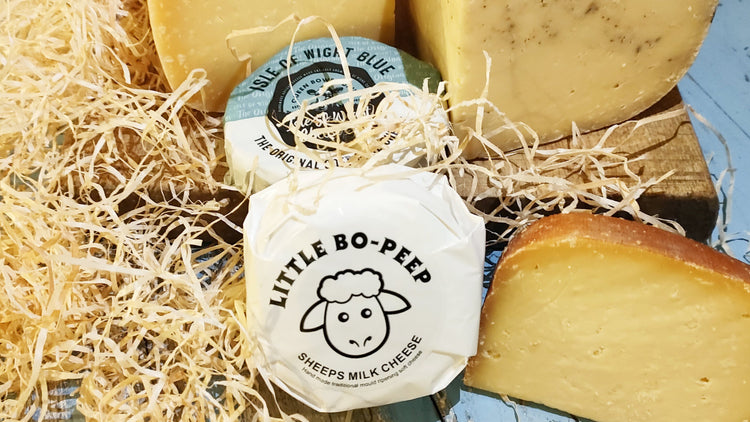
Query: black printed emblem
point(306, 84)
point(353, 312)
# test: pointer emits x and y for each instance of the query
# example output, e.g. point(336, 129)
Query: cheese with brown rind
point(614, 320)
point(591, 62)
point(193, 35)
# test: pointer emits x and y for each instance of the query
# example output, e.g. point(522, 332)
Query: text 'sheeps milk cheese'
point(257, 140)
point(591, 62)
point(364, 286)
point(198, 35)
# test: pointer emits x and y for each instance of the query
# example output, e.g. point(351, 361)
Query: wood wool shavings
point(530, 182)
point(111, 276)
point(100, 283)
point(725, 240)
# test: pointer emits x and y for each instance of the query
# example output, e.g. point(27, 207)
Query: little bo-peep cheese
point(193, 35)
point(259, 143)
point(554, 62)
point(614, 320)
point(364, 287)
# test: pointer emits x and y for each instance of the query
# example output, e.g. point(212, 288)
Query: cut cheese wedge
point(591, 62)
point(613, 320)
point(193, 35)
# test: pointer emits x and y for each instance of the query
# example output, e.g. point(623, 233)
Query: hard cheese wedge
point(592, 62)
point(617, 321)
point(193, 35)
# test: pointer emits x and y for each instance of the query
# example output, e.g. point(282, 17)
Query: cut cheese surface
point(616, 321)
point(594, 63)
point(193, 35)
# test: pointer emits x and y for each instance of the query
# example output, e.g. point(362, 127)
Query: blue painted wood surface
point(717, 88)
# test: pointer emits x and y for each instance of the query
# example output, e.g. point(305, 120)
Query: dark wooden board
point(670, 144)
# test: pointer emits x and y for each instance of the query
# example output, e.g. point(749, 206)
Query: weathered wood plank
point(688, 196)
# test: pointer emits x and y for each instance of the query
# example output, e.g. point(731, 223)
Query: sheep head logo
point(353, 312)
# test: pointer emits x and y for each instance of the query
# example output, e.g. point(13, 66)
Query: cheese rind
point(617, 321)
point(553, 63)
point(193, 35)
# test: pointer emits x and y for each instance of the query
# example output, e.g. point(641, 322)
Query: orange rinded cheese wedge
point(555, 62)
point(193, 35)
point(614, 320)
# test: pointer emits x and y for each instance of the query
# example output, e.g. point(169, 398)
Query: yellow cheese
point(193, 35)
point(592, 62)
point(617, 321)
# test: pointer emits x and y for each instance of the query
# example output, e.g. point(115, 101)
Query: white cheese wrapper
point(363, 286)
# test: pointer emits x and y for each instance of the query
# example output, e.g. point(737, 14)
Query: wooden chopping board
point(688, 196)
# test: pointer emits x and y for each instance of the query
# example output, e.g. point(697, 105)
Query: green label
point(281, 84)
point(257, 107)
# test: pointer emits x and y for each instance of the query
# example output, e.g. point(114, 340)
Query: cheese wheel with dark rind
point(614, 320)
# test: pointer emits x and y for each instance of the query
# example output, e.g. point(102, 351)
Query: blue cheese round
point(363, 286)
point(259, 146)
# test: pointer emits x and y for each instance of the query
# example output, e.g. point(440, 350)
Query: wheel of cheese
point(613, 320)
point(553, 63)
point(363, 286)
point(197, 36)
point(257, 141)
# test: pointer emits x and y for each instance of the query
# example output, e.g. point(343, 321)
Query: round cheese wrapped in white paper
point(363, 286)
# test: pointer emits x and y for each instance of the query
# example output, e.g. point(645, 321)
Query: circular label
point(354, 305)
point(314, 81)
point(358, 304)
point(257, 143)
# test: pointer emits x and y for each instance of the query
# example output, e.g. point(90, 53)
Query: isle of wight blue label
point(257, 140)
